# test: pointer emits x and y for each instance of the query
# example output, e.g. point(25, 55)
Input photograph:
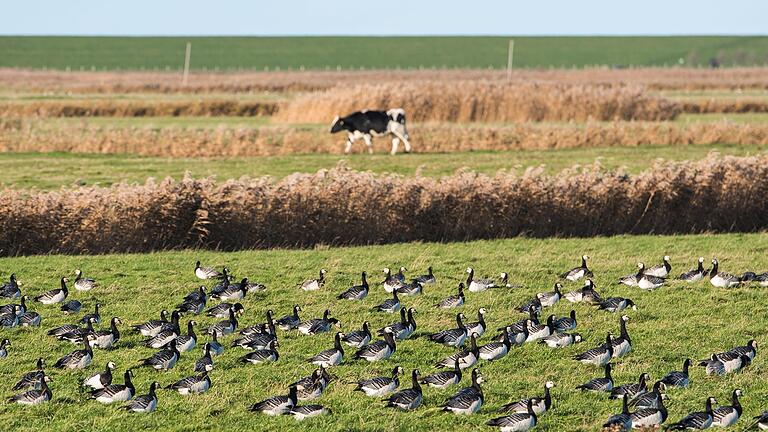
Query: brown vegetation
point(117, 108)
point(716, 194)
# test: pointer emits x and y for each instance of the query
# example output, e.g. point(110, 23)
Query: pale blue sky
point(384, 17)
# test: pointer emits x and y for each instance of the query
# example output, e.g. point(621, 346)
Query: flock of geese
point(642, 402)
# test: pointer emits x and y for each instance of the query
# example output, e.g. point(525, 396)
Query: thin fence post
point(187, 55)
point(510, 57)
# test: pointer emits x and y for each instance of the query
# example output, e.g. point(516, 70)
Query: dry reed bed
point(117, 108)
point(340, 207)
point(170, 82)
point(704, 106)
point(24, 135)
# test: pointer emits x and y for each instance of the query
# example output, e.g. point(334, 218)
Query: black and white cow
point(367, 124)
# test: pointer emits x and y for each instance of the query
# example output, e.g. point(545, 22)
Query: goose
point(519, 326)
point(225, 280)
point(71, 307)
point(4, 348)
point(504, 282)
point(306, 411)
point(276, 405)
point(391, 282)
point(68, 328)
point(318, 325)
point(290, 322)
point(233, 292)
point(206, 272)
point(389, 305)
point(651, 399)
point(629, 280)
point(95, 316)
point(56, 295)
point(454, 337)
point(115, 392)
point(379, 350)
point(403, 329)
point(9, 320)
point(195, 384)
point(32, 379)
point(194, 304)
point(144, 403)
point(598, 356)
point(188, 341)
point(428, 278)
point(586, 293)
point(496, 350)
point(678, 379)
point(163, 360)
point(604, 384)
point(30, 319)
point(722, 280)
point(577, 273)
point(661, 270)
point(330, 357)
point(78, 334)
point(515, 337)
point(762, 279)
point(561, 340)
point(467, 358)
point(34, 397)
point(356, 292)
point(108, 338)
point(10, 289)
point(171, 332)
point(622, 344)
point(221, 310)
point(621, 421)
point(254, 287)
point(478, 285)
point(13, 308)
point(540, 404)
point(566, 323)
point(454, 300)
point(314, 284)
point(616, 304)
point(223, 328)
point(79, 359)
point(358, 338)
point(517, 422)
point(649, 417)
point(539, 331)
point(695, 274)
point(216, 347)
point(380, 386)
point(479, 326)
point(749, 350)
point(717, 366)
point(761, 421)
point(533, 304)
point(263, 355)
point(725, 416)
point(408, 399)
point(696, 420)
point(647, 281)
point(444, 379)
point(205, 362)
point(257, 341)
point(401, 274)
point(152, 328)
point(468, 400)
point(411, 289)
point(311, 387)
point(101, 379)
point(82, 283)
point(547, 299)
point(195, 295)
point(632, 390)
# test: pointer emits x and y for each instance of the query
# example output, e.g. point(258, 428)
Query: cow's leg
point(350, 140)
point(395, 143)
point(368, 142)
point(406, 143)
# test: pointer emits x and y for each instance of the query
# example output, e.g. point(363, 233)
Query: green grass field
point(224, 53)
point(675, 322)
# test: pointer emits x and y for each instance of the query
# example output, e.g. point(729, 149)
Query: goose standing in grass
point(306, 411)
point(548, 299)
point(391, 282)
point(206, 361)
point(540, 404)
point(621, 421)
point(79, 359)
point(561, 340)
point(290, 322)
point(695, 274)
point(598, 356)
point(604, 384)
point(444, 379)
point(35, 396)
point(454, 300)
point(314, 284)
point(206, 272)
point(195, 384)
point(379, 350)
point(223, 328)
point(517, 334)
point(616, 304)
point(720, 279)
point(678, 379)
point(749, 350)
point(13, 308)
point(4, 348)
point(428, 278)
point(108, 338)
point(517, 422)
point(389, 305)
point(32, 379)
point(454, 337)
point(696, 420)
point(10, 289)
point(101, 379)
point(467, 358)
point(403, 329)
point(566, 323)
point(540, 331)
point(233, 291)
point(622, 344)
point(496, 350)
point(380, 386)
point(632, 390)
point(577, 273)
point(153, 327)
point(221, 310)
point(725, 416)
point(262, 355)
point(411, 289)
point(651, 399)
point(171, 331)
point(83, 283)
point(661, 270)
point(356, 292)
point(144, 403)
point(318, 325)
point(408, 399)
point(163, 360)
point(478, 326)
point(116, 392)
point(188, 341)
point(478, 285)
point(71, 307)
point(276, 405)
point(330, 357)
point(56, 295)
point(586, 294)
point(359, 338)
point(647, 281)
point(468, 400)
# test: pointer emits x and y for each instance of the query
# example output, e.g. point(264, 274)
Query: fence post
point(187, 55)
point(510, 57)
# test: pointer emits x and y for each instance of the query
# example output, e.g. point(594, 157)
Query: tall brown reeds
point(340, 206)
point(117, 108)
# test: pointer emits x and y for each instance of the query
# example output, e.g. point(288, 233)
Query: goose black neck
point(415, 382)
point(470, 277)
point(624, 332)
point(292, 395)
point(713, 273)
point(364, 280)
point(296, 311)
point(547, 397)
point(460, 323)
point(583, 263)
point(337, 343)
point(735, 403)
point(390, 340)
point(128, 382)
point(624, 405)
point(411, 320)
point(708, 406)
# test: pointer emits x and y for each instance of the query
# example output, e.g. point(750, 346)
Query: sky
point(383, 17)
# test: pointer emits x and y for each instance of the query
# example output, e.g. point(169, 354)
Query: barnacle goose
point(379, 350)
point(10, 289)
point(445, 378)
point(646, 281)
point(205, 362)
point(561, 340)
point(649, 417)
point(696, 420)
point(622, 344)
point(34, 397)
point(661, 270)
point(651, 399)
point(170, 333)
point(254, 340)
point(9, 320)
point(358, 338)
point(13, 308)
point(195, 305)
point(695, 274)
point(720, 364)
point(408, 399)
point(478, 326)
point(391, 282)
point(539, 331)
point(221, 310)
point(598, 356)
point(632, 390)
point(413, 288)
point(467, 358)
point(233, 292)
point(540, 404)
point(289, 322)
point(725, 416)
point(616, 304)
point(356, 292)
point(586, 293)
point(77, 335)
point(566, 323)
point(216, 347)
point(195, 384)
point(389, 305)
point(144, 403)
point(496, 350)
point(32, 379)
point(749, 350)
point(428, 278)
point(380, 386)
point(108, 338)
point(468, 400)
point(195, 295)
point(164, 359)
point(30, 319)
point(223, 284)
point(56, 295)
point(604, 384)
point(720, 279)
point(577, 273)
point(188, 341)
point(318, 325)
point(205, 272)
point(71, 307)
point(478, 285)
point(679, 379)
point(4, 348)
point(533, 304)
point(79, 359)
point(276, 405)
point(116, 392)
point(330, 357)
point(629, 280)
point(101, 379)
point(312, 387)
point(223, 328)
point(517, 422)
point(153, 327)
point(454, 300)
point(314, 284)
point(95, 316)
point(453, 337)
point(403, 329)
point(82, 283)
point(515, 337)
point(621, 421)
point(547, 299)
point(60, 331)
point(306, 411)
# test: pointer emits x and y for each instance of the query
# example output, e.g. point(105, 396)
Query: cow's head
point(338, 125)
point(397, 115)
